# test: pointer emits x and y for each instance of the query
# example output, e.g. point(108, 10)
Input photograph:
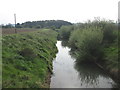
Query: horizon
point(64, 20)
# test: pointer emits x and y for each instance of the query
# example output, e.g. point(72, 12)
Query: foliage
point(27, 59)
point(111, 58)
point(95, 41)
point(44, 24)
point(7, 26)
point(65, 31)
point(87, 42)
point(108, 32)
point(89, 72)
point(28, 54)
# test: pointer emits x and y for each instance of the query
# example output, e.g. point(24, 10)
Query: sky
point(74, 11)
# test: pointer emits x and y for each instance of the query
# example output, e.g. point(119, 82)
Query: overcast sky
point(68, 10)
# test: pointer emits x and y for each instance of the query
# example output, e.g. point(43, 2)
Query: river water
point(69, 74)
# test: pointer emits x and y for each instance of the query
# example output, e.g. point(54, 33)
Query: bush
point(108, 33)
point(74, 37)
point(111, 57)
point(65, 32)
point(87, 42)
point(28, 53)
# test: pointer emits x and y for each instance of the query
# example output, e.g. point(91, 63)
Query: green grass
point(27, 58)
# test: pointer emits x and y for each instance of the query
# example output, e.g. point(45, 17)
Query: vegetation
point(65, 32)
point(19, 30)
point(96, 42)
point(7, 26)
point(27, 59)
point(89, 73)
point(53, 24)
point(87, 42)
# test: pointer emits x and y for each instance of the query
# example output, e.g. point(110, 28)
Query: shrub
point(74, 37)
point(87, 42)
point(111, 57)
point(65, 32)
point(108, 32)
point(28, 53)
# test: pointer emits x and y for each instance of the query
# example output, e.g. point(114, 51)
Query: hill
point(43, 24)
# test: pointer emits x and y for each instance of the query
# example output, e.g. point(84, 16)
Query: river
point(69, 74)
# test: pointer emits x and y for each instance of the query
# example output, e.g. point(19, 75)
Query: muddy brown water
point(68, 74)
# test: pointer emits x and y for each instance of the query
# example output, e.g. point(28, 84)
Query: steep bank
point(27, 59)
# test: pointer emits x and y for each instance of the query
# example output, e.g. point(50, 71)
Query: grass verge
point(27, 59)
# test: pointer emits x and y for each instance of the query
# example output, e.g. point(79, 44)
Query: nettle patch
point(28, 53)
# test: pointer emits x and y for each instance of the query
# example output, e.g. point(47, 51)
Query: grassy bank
point(27, 59)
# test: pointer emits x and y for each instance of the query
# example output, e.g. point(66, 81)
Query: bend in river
point(69, 74)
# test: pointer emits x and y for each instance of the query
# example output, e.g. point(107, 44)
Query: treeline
point(54, 24)
point(95, 41)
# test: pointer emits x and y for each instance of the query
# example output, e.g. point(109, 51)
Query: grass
point(27, 59)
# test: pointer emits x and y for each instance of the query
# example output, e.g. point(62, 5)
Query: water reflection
point(71, 74)
point(89, 73)
point(64, 43)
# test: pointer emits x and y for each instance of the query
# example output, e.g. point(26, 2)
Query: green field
point(27, 59)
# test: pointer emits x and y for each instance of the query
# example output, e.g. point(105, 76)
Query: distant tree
point(8, 26)
point(53, 24)
point(53, 27)
point(18, 25)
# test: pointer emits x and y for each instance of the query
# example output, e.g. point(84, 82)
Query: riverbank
point(95, 42)
point(27, 59)
point(68, 73)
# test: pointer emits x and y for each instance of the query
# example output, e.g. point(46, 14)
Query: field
point(27, 59)
point(19, 30)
